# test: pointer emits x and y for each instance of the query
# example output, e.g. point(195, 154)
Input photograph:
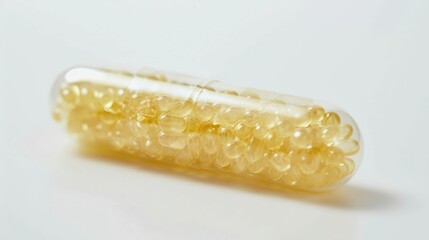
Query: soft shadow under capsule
point(284, 140)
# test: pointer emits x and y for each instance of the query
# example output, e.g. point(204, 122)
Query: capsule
point(287, 141)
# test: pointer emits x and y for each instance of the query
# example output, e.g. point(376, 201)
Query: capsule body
point(288, 141)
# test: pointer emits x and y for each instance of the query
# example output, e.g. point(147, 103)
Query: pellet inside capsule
point(304, 147)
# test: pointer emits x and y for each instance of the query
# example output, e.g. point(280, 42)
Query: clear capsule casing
point(287, 141)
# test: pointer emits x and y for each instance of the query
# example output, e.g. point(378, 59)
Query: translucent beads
point(277, 139)
point(171, 123)
point(308, 160)
point(173, 141)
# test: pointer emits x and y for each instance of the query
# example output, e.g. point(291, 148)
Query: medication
point(284, 140)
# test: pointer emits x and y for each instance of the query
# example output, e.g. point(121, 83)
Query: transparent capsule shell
point(278, 139)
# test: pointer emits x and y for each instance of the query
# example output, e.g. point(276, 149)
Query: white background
point(369, 56)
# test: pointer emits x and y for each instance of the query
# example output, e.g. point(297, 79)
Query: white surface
point(371, 57)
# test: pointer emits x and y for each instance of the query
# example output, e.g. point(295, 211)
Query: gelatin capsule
point(277, 139)
point(331, 119)
point(182, 109)
point(222, 161)
point(211, 143)
point(234, 149)
point(250, 119)
point(225, 135)
point(242, 131)
point(173, 141)
point(256, 167)
point(228, 115)
point(170, 123)
point(255, 150)
point(269, 120)
point(281, 161)
point(349, 147)
point(292, 177)
point(194, 144)
point(301, 138)
point(308, 161)
point(273, 139)
point(70, 94)
point(204, 111)
point(238, 165)
point(274, 174)
point(316, 114)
